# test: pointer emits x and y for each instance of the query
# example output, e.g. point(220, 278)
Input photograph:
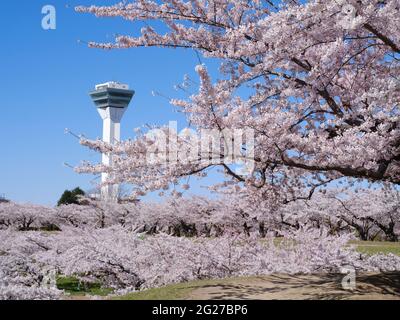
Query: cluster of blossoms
point(24, 217)
point(23, 276)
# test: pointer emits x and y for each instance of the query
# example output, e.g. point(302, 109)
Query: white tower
point(112, 100)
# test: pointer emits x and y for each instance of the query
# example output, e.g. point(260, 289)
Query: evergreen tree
point(71, 196)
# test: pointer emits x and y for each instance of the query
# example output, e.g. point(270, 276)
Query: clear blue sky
point(44, 85)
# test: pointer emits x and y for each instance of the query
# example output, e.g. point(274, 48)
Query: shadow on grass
point(314, 287)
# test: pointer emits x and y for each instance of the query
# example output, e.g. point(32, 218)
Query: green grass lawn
point(74, 287)
point(176, 291)
point(171, 292)
point(374, 247)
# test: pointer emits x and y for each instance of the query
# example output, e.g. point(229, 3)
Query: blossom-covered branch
point(322, 88)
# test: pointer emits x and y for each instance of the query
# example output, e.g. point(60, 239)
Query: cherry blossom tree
point(25, 216)
point(372, 211)
point(322, 91)
point(23, 275)
point(92, 213)
point(369, 213)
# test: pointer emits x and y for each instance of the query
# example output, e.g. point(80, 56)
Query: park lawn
point(73, 287)
point(375, 247)
point(178, 291)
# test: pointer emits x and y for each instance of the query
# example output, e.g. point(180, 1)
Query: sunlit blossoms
point(322, 96)
point(23, 276)
point(24, 217)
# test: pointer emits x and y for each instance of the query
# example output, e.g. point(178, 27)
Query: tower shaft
point(112, 100)
point(111, 134)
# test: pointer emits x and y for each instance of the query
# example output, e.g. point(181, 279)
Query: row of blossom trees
point(368, 214)
point(127, 261)
point(134, 246)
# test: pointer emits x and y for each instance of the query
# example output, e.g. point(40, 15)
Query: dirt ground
point(369, 286)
